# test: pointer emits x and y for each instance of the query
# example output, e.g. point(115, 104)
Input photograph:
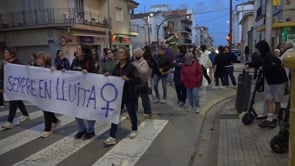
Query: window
point(119, 14)
point(80, 6)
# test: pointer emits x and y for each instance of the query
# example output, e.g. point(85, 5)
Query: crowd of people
point(187, 69)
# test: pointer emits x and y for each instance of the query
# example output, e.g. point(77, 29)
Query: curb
point(215, 101)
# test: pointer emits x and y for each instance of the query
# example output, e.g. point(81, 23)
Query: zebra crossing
point(25, 147)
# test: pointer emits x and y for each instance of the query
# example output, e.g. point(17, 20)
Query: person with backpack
point(84, 62)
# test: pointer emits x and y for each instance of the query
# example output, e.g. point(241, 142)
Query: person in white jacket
point(205, 62)
point(143, 90)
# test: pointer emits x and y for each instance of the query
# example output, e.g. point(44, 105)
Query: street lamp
point(148, 22)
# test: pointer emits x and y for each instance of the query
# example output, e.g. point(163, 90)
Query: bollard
point(289, 62)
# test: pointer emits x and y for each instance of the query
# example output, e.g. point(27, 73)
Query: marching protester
point(160, 71)
point(110, 63)
point(43, 59)
point(84, 62)
point(212, 56)
point(10, 56)
point(61, 62)
point(177, 64)
point(229, 58)
point(219, 69)
point(128, 73)
point(191, 76)
point(148, 56)
point(170, 55)
point(205, 62)
point(142, 89)
point(276, 79)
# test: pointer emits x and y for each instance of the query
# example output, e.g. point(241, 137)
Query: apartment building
point(48, 25)
point(283, 24)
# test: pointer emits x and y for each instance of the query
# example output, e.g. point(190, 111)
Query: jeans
point(49, 118)
point(193, 97)
point(170, 76)
point(229, 72)
point(156, 80)
point(145, 100)
point(131, 109)
point(181, 92)
point(13, 105)
point(217, 81)
point(82, 127)
point(206, 74)
point(1, 99)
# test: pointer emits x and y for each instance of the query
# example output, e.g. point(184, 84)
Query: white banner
point(87, 96)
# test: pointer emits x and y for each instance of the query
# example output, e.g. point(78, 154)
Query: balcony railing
point(134, 28)
point(52, 16)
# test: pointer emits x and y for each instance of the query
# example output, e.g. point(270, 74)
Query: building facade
point(49, 25)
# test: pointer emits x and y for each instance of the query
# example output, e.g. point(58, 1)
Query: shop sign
point(86, 39)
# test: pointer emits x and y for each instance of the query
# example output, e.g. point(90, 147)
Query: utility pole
point(268, 22)
point(109, 26)
point(230, 24)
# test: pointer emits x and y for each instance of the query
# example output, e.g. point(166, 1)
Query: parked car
point(237, 54)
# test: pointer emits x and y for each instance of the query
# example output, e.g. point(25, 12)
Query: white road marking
point(16, 140)
point(33, 115)
point(57, 152)
point(130, 150)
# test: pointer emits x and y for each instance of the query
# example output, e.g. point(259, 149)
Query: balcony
point(187, 41)
point(51, 18)
point(261, 11)
point(186, 30)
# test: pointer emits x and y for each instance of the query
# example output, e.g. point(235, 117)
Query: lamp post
point(149, 33)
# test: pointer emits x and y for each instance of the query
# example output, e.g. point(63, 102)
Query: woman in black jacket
point(10, 56)
point(160, 71)
point(128, 73)
point(84, 62)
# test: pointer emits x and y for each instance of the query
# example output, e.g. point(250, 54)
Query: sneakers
point(110, 141)
point(190, 109)
point(7, 125)
point(215, 87)
point(197, 110)
point(181, 104)
point(56, 124)
point(79, 135)
point(156, 100)
point(163, 101)
point(147, 115)
point(24, 118)
point(133, 134)
point(268, 124)
point(46, 134)
point(222, 87)
point(88, 135)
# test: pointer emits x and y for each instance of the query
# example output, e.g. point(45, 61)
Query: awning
point(277, 25)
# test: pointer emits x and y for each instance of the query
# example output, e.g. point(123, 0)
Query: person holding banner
point(84, 62)
point(10, 56)
point(43, 59)
point(128, 73)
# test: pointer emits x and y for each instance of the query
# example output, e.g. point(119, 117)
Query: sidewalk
point(241, 145)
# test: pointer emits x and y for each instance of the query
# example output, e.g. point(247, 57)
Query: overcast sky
point(213, 14)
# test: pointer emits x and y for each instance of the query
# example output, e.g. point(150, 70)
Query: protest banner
point(74, 93)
